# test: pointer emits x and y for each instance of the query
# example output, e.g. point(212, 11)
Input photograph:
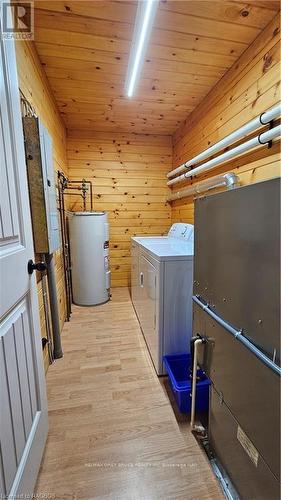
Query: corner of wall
point(249, 87)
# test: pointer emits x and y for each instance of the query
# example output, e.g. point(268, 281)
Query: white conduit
point(260, 140)
point(230, 180)
point(193, 391)
point(249, 127)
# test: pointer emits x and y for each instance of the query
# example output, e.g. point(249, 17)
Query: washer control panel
point(182, 231)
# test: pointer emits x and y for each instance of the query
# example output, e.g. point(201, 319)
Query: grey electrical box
point(42, 187)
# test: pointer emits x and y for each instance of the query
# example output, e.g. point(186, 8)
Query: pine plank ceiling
point(84, 48)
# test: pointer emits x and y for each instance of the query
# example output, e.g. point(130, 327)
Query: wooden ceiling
point(84, 47)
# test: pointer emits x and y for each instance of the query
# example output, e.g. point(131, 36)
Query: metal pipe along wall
point(54, 305)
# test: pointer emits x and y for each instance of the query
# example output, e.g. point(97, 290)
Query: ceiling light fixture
point(145, 16)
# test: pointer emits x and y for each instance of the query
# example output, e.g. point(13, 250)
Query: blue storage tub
point(177, 366)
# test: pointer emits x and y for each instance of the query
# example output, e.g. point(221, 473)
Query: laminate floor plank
point(113, 432)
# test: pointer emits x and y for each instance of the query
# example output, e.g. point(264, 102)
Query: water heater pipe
point(194, 376)
point(257, 141)
point(246, 129)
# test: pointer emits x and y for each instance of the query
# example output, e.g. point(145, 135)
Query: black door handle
point(37, 266)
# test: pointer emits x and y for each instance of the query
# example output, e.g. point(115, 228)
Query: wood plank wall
point(128, 172)
point(250, 87)
point(34, 85)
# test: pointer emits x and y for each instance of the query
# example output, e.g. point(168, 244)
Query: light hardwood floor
point(113, 433)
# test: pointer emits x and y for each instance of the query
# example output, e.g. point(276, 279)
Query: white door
point(23, 409)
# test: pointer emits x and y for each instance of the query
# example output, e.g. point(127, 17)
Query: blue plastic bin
point(177, 366)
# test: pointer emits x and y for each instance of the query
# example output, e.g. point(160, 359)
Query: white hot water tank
point(89, 247)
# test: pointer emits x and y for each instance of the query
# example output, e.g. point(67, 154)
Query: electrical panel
point(42, 186)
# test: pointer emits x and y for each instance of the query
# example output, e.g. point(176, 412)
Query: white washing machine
point(161, 288)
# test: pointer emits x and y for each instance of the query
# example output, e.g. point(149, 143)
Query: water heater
point(89, 247)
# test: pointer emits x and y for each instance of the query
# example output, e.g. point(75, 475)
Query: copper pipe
point(86, 182)
point(65, 246)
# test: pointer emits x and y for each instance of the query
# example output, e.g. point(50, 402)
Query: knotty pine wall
point(250, 87)
point(128, 172)
point(34, 85)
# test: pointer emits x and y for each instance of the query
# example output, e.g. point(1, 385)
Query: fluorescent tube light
point(145, 16)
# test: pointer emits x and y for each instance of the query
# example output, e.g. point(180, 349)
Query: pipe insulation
point(243, 131)
point(229, 180)
point(257, 141)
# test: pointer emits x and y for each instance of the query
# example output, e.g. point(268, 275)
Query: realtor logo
point(17, 20)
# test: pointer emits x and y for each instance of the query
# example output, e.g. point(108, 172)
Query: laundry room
point(140, 249)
